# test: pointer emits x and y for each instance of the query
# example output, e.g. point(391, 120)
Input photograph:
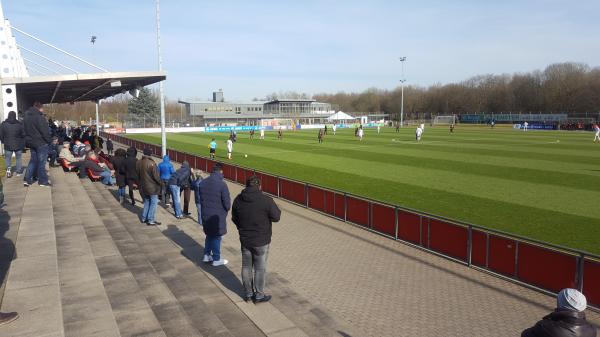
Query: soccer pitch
point(538, 184)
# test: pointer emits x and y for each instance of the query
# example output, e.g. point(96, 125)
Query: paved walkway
point(86, 267)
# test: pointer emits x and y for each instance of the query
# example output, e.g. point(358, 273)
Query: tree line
point(560, 88)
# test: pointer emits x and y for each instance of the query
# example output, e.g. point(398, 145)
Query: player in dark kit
point(397, 127)
point(280, 134)
point(452, 128)
point(320, 136)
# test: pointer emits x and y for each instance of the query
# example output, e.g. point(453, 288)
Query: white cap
point(571, 299)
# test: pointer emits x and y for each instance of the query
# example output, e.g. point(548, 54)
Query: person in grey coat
point(215, 203)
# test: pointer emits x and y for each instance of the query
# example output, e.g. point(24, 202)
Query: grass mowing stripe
point(524, 190)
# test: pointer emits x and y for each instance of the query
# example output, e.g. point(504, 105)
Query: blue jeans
point(8, 156)
point(121, 192)
point(176, 199)
point(106, 177)
point(149, 210)
point(37, 165)
point(199, 208)
point(212, 246)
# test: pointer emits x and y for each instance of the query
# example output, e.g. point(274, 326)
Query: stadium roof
point(286, 100)
point(340, 116)
point(81, 87)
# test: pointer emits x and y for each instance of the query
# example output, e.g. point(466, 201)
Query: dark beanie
point(147, 152)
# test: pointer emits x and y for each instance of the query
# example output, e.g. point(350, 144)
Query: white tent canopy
point(340, 116)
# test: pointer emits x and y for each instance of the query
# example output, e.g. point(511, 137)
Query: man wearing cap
point(567, 320)
point(150, 184)
point(215, 203)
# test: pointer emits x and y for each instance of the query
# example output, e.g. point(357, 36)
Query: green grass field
point(539, 184)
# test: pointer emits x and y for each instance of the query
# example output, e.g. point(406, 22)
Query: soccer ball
point(246, 156)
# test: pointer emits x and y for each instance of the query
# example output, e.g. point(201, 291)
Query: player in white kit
point(596, 133)
point(361, 133)
point(418, 134)
point(525, 126)
point(334, 127)
point(262, 133)
point(229, 148)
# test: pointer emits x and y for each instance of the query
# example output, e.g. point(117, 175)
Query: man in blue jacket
point(215, 203)
point(166, 170)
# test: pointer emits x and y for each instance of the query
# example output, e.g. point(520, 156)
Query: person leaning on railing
point(567, 320)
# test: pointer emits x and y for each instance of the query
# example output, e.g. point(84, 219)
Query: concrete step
point(85, 305)
point(213, 313)
point(32, 288)
point(133, 313)
point(149, 267)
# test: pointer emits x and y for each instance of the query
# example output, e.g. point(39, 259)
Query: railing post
point(396, 223)
point(516, 259)
point(306, 195)
point(487, 250)
point(278, 187)
point(579, 274)
point(370, 215)
point(469, 244)
point(420, 230)
point(345, 207)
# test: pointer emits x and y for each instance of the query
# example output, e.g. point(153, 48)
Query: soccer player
point(525, 126)
point(251, 134)
point(597, 133)
point(325, 129)
point(397, 127)
point(280, 134)
point(378, 129)
point(452, 128)
point(334, 127)
point(419, 133)
point(262, 133)
point(320, 136)
point(361, 133)
point(229, 148)
point(213, 148)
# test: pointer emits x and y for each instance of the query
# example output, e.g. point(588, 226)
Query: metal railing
point(542, 266)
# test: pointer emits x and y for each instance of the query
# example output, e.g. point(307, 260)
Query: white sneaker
point(220, 262)
point(207, 258)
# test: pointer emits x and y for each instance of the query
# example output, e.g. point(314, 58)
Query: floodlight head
point(93, 39)
point(403, 58)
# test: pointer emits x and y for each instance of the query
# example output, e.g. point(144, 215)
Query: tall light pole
point(163, 133)
point(402, 59)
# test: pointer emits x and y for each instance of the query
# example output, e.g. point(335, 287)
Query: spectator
point(149, 180)
point(109, 147)
point(37, 138)
point(567, 320)
point(253, 213)
point(118, 162)
point(53, 151)
point(78, 149)
point(215, 203)
point(98, 169)
point(66, 155)
point(196, 180)
point(166, 171)
point(131, 176)
point(180, 178)
point(12, 136)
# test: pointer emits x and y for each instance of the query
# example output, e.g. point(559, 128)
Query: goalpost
point(445, 120)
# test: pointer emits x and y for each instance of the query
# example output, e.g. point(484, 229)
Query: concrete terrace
point(86, 266)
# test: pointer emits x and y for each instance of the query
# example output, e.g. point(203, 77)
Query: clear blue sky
point(253, 48)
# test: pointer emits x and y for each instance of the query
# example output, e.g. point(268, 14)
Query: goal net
point(444, 120)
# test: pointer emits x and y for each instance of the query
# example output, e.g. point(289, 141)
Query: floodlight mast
point(402, 59)
point(163, 133)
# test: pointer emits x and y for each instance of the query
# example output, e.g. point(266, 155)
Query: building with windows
point(220, 112)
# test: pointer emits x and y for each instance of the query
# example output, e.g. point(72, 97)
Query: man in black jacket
point(37, 138)
point(567, 320)
point(253, 213)
point(12, 136)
